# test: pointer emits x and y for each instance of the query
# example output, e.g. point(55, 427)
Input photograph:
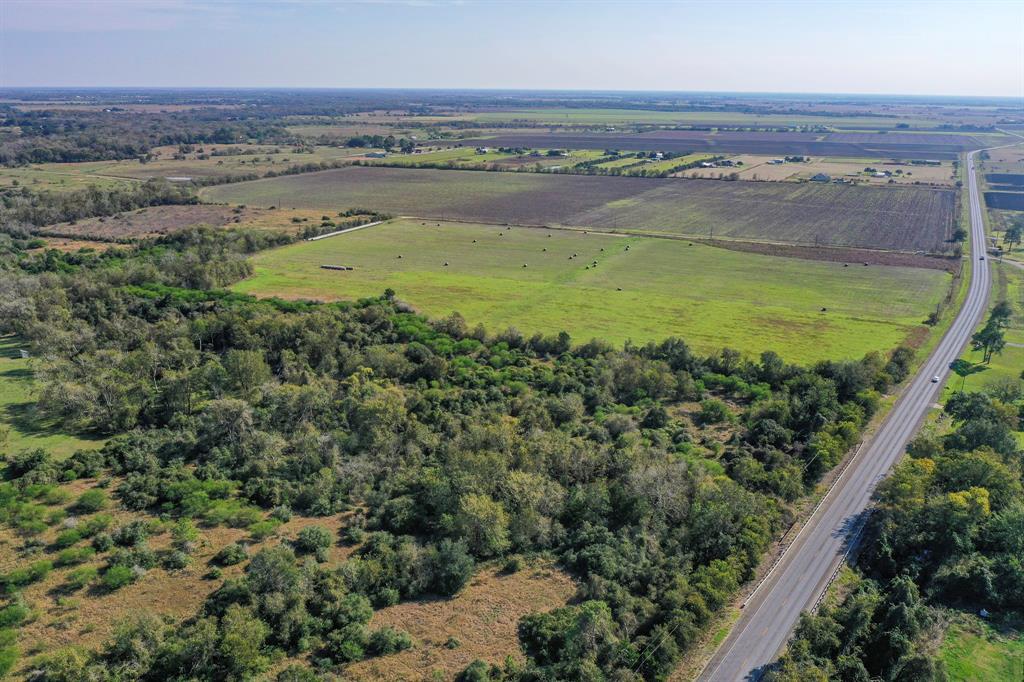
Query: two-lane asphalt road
point(805, 569)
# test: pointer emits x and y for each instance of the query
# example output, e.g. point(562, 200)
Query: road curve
point(806, 568)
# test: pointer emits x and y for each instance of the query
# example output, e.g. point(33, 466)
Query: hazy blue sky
point(960, 48)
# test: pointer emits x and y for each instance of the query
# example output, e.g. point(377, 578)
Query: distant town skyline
point(909, 48)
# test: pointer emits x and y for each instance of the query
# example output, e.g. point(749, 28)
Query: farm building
point(820, 177)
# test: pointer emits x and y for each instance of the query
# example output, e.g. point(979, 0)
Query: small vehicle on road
point(981, 258)
point(935, 379)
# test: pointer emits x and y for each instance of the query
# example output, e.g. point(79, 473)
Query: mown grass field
point(883, 218)
point(711, 297)
point(20, 426)
point(1007, 284)
point(976, 650)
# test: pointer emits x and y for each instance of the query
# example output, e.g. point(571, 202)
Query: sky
point(860, 46)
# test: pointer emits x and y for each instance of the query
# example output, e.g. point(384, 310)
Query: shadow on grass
point(17, 374)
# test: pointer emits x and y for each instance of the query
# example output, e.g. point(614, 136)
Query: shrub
point(175, 560)
point(101, 542)
point(184, 535)
point(91, 501)
point(80, 577)
point(67, 538)
point(353, 535)
point(12, 615)
point(74, 555)
point(477, 671)
point(713, 411)
point(26, 575)
point(56, 496)
point(452, 566)
point(232, 554)
point(263, 529)
point(313, 538)
point(94, 524)
point(131, 534)
point(387, 640)
point(116, 577)
point(297, 673)
point(281, 513)
point(8, 657)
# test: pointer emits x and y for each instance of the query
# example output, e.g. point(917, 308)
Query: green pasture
point(20, 427)
point(456, 156)
point(57, 178)
point(657, 288)
point(1007, 284)
point(974, 649)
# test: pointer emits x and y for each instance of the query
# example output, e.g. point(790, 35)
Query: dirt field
point(479, 623)
point(757, 167)
point(904, 218)
point(72, 245)
point(1006, 160)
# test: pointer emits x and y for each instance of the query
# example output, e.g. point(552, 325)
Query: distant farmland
point(641, 288)
point(905, 218)
point(862, 145)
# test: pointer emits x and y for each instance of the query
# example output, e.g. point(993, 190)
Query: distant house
point(482, 150)
point(820, 177)
point(706, 164)
point(658, 156)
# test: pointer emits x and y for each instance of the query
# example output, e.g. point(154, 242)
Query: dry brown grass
point(483, 618)
point(89, 617)
point(71, 245)
point(157, 221)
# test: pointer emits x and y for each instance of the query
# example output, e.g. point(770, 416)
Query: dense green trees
point(948, 530)
point(448, 445)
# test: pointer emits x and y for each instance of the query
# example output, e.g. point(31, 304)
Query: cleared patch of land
point(1004, 160)
point(73, 245)
point(976, 650)
point(209, 161)
point(754, 167)
point(903, 218)
point(530, 279)
point(479, 623)
point(21, 427)
point(156, 221)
